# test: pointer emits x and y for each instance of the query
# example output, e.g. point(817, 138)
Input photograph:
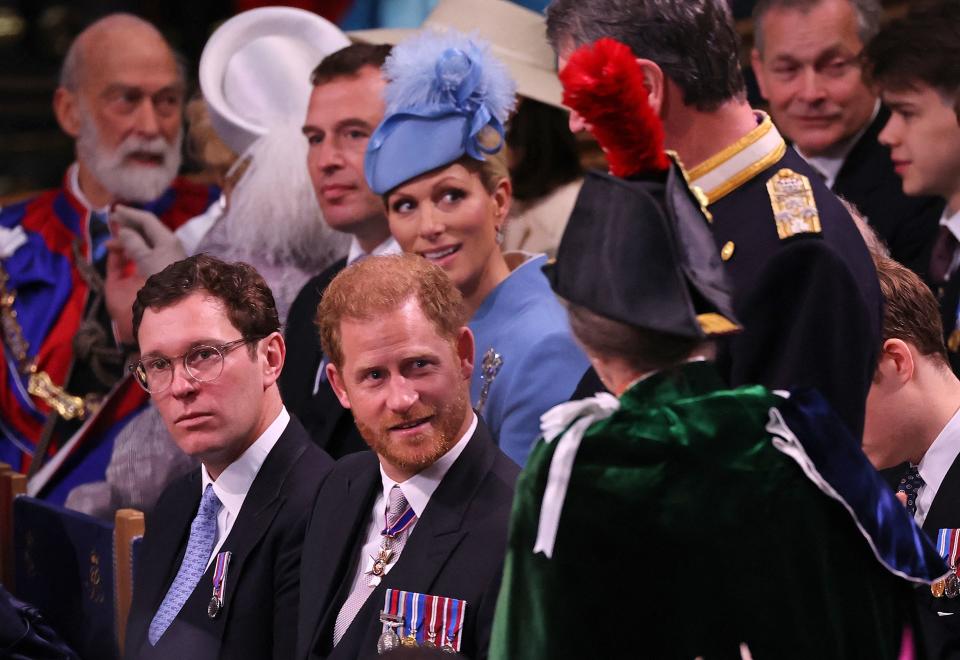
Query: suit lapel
point(260, 506)
point(168, 532)
point(437, 534)
point(343, 537)
point(944, 511)
point(866, 150)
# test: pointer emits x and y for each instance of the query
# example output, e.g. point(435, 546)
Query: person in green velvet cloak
point(676, 518)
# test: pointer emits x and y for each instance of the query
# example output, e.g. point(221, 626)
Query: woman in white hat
point(438, 160)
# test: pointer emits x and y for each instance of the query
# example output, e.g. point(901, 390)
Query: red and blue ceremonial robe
point(50, 297)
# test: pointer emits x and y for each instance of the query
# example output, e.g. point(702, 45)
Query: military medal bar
point(412, 619)
point(948, 545)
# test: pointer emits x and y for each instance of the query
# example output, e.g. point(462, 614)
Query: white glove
point(146, 240)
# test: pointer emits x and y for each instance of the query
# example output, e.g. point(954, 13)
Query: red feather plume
point(604, 84)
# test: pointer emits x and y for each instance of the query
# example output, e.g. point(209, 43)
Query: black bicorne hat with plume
point(638, 246)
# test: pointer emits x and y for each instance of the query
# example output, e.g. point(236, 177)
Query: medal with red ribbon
point(424, 620)
point(219, 584)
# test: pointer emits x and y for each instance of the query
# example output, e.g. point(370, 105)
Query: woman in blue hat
point(439, 161)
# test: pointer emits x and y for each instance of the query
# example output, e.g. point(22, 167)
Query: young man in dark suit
point(912, 431)
point(913, 63)
point(219, 572)
point(411, 535)
point(805, 57)
point(345, 106)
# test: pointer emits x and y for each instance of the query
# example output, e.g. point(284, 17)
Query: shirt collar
point(233, 483)
point(951, 221)
point(942, 453)
point(419, 488)
point(729, 169)
point(73, 183)
point(389, 246)
point(830, 165)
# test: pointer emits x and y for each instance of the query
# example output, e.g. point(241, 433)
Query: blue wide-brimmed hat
point(443, 90)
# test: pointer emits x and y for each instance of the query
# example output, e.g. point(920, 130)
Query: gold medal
point(410, 640)
point(937, 587)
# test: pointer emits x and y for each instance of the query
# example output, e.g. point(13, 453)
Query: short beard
point(129, 182)
point(447, 421)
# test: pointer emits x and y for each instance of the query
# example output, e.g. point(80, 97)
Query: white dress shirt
point(934, 465)
point(233, 484)
point(417, 489)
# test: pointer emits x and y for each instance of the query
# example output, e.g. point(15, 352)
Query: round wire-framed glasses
point(201, 363)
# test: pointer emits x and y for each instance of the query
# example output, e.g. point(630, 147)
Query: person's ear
point(896, 362)
point(756, 62)
point(465, 352)
point(274, 352)
point(501, 199)
point(66, 108)
point(336, 382)
point(655, 82)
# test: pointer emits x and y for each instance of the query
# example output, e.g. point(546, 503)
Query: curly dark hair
point(245, 296)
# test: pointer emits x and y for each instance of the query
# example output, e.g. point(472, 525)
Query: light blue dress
point(523, 322)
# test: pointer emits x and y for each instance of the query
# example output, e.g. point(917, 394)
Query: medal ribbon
point(954, 535)
point(404, 521)
point(220, 575)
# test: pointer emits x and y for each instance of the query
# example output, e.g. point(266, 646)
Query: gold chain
point(39, 384)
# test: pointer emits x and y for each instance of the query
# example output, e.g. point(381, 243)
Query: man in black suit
point(805, 289)
point(426, 512)
point(912, 431)
point(345, 106)
point(219, 573)
point(805, 57)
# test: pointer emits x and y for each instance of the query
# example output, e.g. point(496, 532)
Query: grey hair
point(868, 12)
point(693, 41)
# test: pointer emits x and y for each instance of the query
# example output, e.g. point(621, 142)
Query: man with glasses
point(219, 574)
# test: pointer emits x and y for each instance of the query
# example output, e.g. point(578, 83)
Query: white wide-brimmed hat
point(518, 38)
point(255, 70)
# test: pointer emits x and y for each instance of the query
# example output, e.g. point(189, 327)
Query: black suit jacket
point(328, 423)
point(259, 614)
point(908, 225)
point(456, 549)
point(938, 619)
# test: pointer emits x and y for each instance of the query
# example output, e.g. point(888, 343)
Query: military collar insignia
point(729, 169)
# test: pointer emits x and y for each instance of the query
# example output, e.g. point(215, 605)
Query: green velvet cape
point(685, 533)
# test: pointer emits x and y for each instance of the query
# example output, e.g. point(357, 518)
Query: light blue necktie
point(203, 536)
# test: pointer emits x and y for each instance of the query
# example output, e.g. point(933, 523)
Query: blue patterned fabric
point(910, 485)
point(203, 536)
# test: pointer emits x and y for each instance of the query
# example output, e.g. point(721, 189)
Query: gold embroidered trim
point(39, 383)
point(745, 175)
point(766, 125)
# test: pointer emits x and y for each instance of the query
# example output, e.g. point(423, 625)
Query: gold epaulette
point(794, 208)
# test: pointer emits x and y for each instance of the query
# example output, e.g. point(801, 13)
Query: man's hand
point(121, 286)
point(145, 240)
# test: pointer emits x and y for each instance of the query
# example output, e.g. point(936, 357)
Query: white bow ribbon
point(576, 417)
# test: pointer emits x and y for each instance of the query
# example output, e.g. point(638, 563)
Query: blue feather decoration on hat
point(436, 71)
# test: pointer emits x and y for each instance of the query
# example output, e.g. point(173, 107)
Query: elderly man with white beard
point(62, 393)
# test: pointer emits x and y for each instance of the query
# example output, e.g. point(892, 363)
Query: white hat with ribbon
point(517, 36)
point(255, 70)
